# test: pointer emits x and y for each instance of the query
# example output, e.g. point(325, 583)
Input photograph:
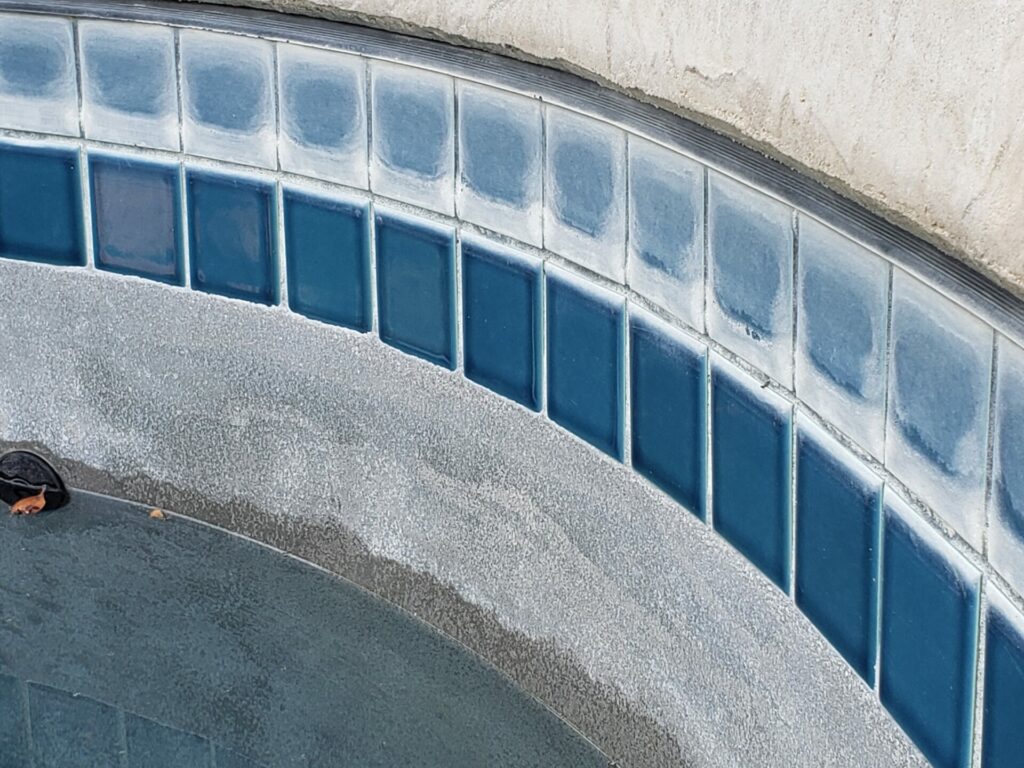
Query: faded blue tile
point(13, 728)
point(152, 745)
point(129, 85)
point(413, 117)
point(136, 212)
point(585, 356)
point(750, 458)
point(38, 84)
point(501, 321)
point(41, 205)
point(500, 149)
point(939, 386)
point(666, 230)
point(231, 236)
point(1006, 515)
point(750, 274)
point(416, 287)
point(667, 409)
point(929, 627)
point(1003, 716)
point(838, 504)
point(69, 730)
point(585, 171)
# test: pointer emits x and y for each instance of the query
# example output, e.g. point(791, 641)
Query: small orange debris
point(157, 514)
point(30, 504)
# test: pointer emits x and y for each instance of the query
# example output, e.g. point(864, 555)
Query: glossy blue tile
point(667, 409)
point(38, 83)
point(231, 236)
point(750, 458)
point(929, 620)
point(136, 212)
point(1006, 513)
point(41, 205)
point(151, 745)
point(416, 287)
point(838, 505)
point(585, 356)
point(501, 321)
point(13, 727)
point(70, 730)
point(327, 250)
point(1002, 730)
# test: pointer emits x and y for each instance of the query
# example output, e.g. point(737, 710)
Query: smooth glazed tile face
point(72, 730)
point(584, 214)
point(929, 627)
point(939, 385)
point(323, 114)
point(842, 317)
point(1003, 716)
point(750, 276)
point(586, 341)
point(136, 213)
point(750, 458)
point(500, 148)
point(413, 117)
point(38, 84)
point(416, 287)
point(228, 98)
point(501, 321)
point(667, 409)
point(838, 503)
point(129, 86)
point(666, 230)
point(41, 205)
point(151, 745)
point(14, 751)
point(1006, 511)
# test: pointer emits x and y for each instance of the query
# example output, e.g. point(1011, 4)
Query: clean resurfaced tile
point(129, 83)
point(750, 276)
point(939, 383)
point(152, 745)
point(666, 230)
point(1003, 716)
point(72, 730)
point(38, 84)
point(1006, 511)
point(842, 317)
point(585, 200)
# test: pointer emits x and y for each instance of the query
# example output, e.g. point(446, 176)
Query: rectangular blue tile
point(41, 205)
point(1002, 731)
point(38, 81)
point(1006, 510)
point(838, 513)
point(327, 250)
point(501, 321)
point(929, 628)
point(69, 730)
point(585, 356)
point(136, 209)
point(152, 745)
point(750, 469)
point(231, 236)
point(416, 287)
point(668, 377)
point(13, 728)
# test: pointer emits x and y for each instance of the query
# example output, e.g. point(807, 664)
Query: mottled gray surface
point(570, 573)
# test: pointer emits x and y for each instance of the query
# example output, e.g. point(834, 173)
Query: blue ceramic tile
point(38, 85)
point(327, 249)
point(750, 457)
point(416, 287)
point(231, 237)
point(586, 347)
point(750, 275)
point(136, 217)
point(667, 409)
point(585, 172)
point(842, 318)
point(501, 321)
point(929, 618)
point(41, 205)
point(1006, 515)
point(70, 730)
point(500, 150)
point(323, 114)
point(13, 728)
point(1003, 716)
point(666, 230)
point(939, 387)
point(838, 503)
point(151, 745)
point(129, 87)
point(226, 758)
point(413, 117)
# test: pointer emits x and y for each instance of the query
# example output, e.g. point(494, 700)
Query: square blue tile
point(668, 394)
point(136, 208)
point(929, 632)
point(41, 205)
point(585, 355)
point(13, 728)
point(327, 250)
point(72, 730)
point(152, 745)
point(231, 236)
point(1006, 512)
point(838, 514)
point(38, 80)
point(1002, 732)
point(750, 469)
point(416, 287)
point(501, 321)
